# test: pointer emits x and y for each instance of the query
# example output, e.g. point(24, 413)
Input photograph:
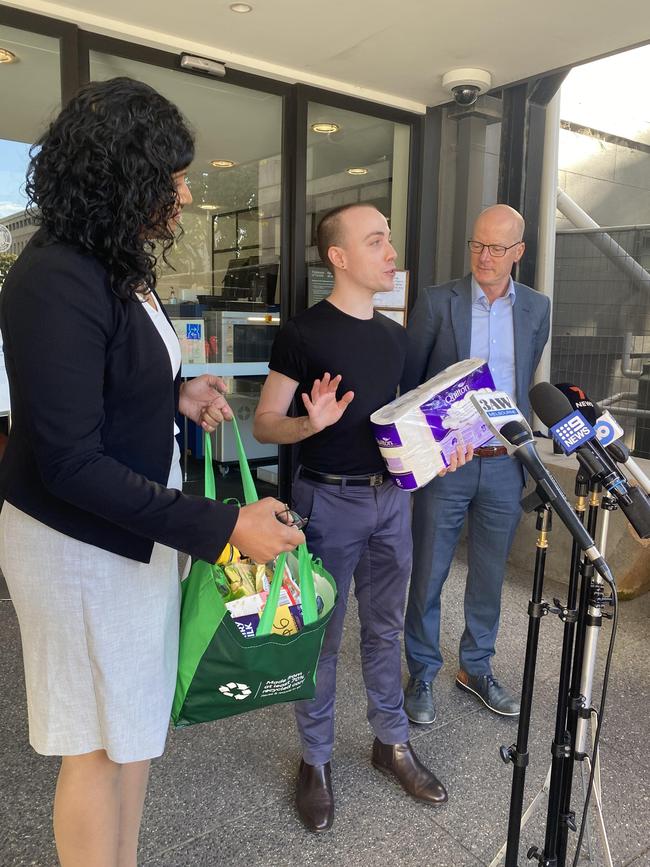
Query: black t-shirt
point(368, 353)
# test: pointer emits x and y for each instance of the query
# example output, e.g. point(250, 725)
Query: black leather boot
point(314, 796)
point(399, 761)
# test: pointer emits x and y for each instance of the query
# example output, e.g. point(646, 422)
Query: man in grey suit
point(484, 315)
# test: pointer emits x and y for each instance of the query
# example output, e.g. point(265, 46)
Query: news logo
point(497, 405)
point(572, 431)
point(607, 429)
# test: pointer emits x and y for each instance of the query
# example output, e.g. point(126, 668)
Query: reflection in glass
point(230, 201)
point(226, 264)
point(26, 111)
point(366, 160)
point(224, 232)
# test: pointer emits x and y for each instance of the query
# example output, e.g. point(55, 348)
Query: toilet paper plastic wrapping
point(417, 432)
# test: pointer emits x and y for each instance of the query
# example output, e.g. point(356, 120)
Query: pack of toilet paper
point(417, 432)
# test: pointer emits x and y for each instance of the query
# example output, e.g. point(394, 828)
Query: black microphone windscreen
point(579, 400)
point(619, 451)
point(548, 403)
point(515, 433)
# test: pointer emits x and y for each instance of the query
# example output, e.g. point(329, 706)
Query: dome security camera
point(466, 85)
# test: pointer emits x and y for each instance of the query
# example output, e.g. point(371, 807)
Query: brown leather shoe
point(314, 796)
point(400, 762)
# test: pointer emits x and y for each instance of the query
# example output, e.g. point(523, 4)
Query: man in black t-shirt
point(359, 521)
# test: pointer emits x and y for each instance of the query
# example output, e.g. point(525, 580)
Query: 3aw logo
point(238, 691)
point(496, 405)
point(572, 431)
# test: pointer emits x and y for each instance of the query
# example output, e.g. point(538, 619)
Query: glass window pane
point(32, 96)
point(242, 129)
point(225, 272)
point(353, 157)
point(31, 90)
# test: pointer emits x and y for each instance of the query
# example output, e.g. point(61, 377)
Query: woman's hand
point(202, 400)
point(260, 535)
point(463, 455)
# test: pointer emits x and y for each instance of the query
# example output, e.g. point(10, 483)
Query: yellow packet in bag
point(283, 622)
point(230, 554)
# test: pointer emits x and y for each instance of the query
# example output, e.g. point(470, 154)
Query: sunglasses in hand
point(292, 519)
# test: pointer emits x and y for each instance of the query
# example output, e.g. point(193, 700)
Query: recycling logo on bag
point(238, 691)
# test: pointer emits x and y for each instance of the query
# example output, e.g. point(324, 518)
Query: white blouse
point(170, 340)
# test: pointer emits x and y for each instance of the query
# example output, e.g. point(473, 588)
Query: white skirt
point(100, 640)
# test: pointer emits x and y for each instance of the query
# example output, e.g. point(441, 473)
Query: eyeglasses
point(496, 250)
point(292, 519)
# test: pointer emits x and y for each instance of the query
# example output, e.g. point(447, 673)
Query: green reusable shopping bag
point(220, 672)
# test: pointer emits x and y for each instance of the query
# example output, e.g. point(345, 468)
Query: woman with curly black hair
point(93, 514)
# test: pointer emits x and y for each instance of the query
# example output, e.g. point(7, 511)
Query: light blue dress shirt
point(493, 337)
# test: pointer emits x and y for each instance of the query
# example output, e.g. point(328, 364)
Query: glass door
point(30, 79)
point(222, 286)
point(355, 157)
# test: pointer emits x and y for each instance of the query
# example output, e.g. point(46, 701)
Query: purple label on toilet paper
point(437, 407)
point(386, 436)
point(405, 481)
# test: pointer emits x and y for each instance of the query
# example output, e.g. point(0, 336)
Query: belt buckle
point(376, 479)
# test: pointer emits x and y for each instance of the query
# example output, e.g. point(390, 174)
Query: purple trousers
point(365, 532)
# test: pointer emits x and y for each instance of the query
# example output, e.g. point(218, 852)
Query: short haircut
point(330, 230)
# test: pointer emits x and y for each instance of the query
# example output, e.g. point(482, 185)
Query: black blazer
point(93, 405)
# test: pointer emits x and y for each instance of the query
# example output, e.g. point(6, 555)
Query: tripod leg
point(597, 799)
point(585, 770)
point(598, 796)
point(542, 794)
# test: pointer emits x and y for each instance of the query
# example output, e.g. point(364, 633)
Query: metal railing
point(601, 322)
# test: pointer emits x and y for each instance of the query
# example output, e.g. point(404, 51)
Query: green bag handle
point(209, 486)
point(307, 591)
point(305, 571)
point(250, 494)
point(265, 626)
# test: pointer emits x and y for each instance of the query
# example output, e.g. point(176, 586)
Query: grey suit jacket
point(440, 332)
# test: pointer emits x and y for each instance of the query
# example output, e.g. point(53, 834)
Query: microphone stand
point(575, 713)
point(560, 747)
point(518, 753)
point(581, 712)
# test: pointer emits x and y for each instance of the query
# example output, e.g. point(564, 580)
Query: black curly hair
point(100, 178)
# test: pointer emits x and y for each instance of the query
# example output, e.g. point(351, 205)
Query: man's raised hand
point(322, 406)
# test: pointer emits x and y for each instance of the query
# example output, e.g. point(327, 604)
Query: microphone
point(497, 408)
point(621, 454)
point(579, 400)
point(571, 430)
point(608, 431)
point(616, 449)
point(525, 452)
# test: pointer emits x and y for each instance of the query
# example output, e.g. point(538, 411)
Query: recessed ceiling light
point(223, 164)
point(7, 56)
point(242, 8)
point(206, 206)
point(357, 170)
point(325, 127)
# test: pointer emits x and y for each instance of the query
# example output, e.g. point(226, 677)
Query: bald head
point(498, 234)
point(501, 219)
